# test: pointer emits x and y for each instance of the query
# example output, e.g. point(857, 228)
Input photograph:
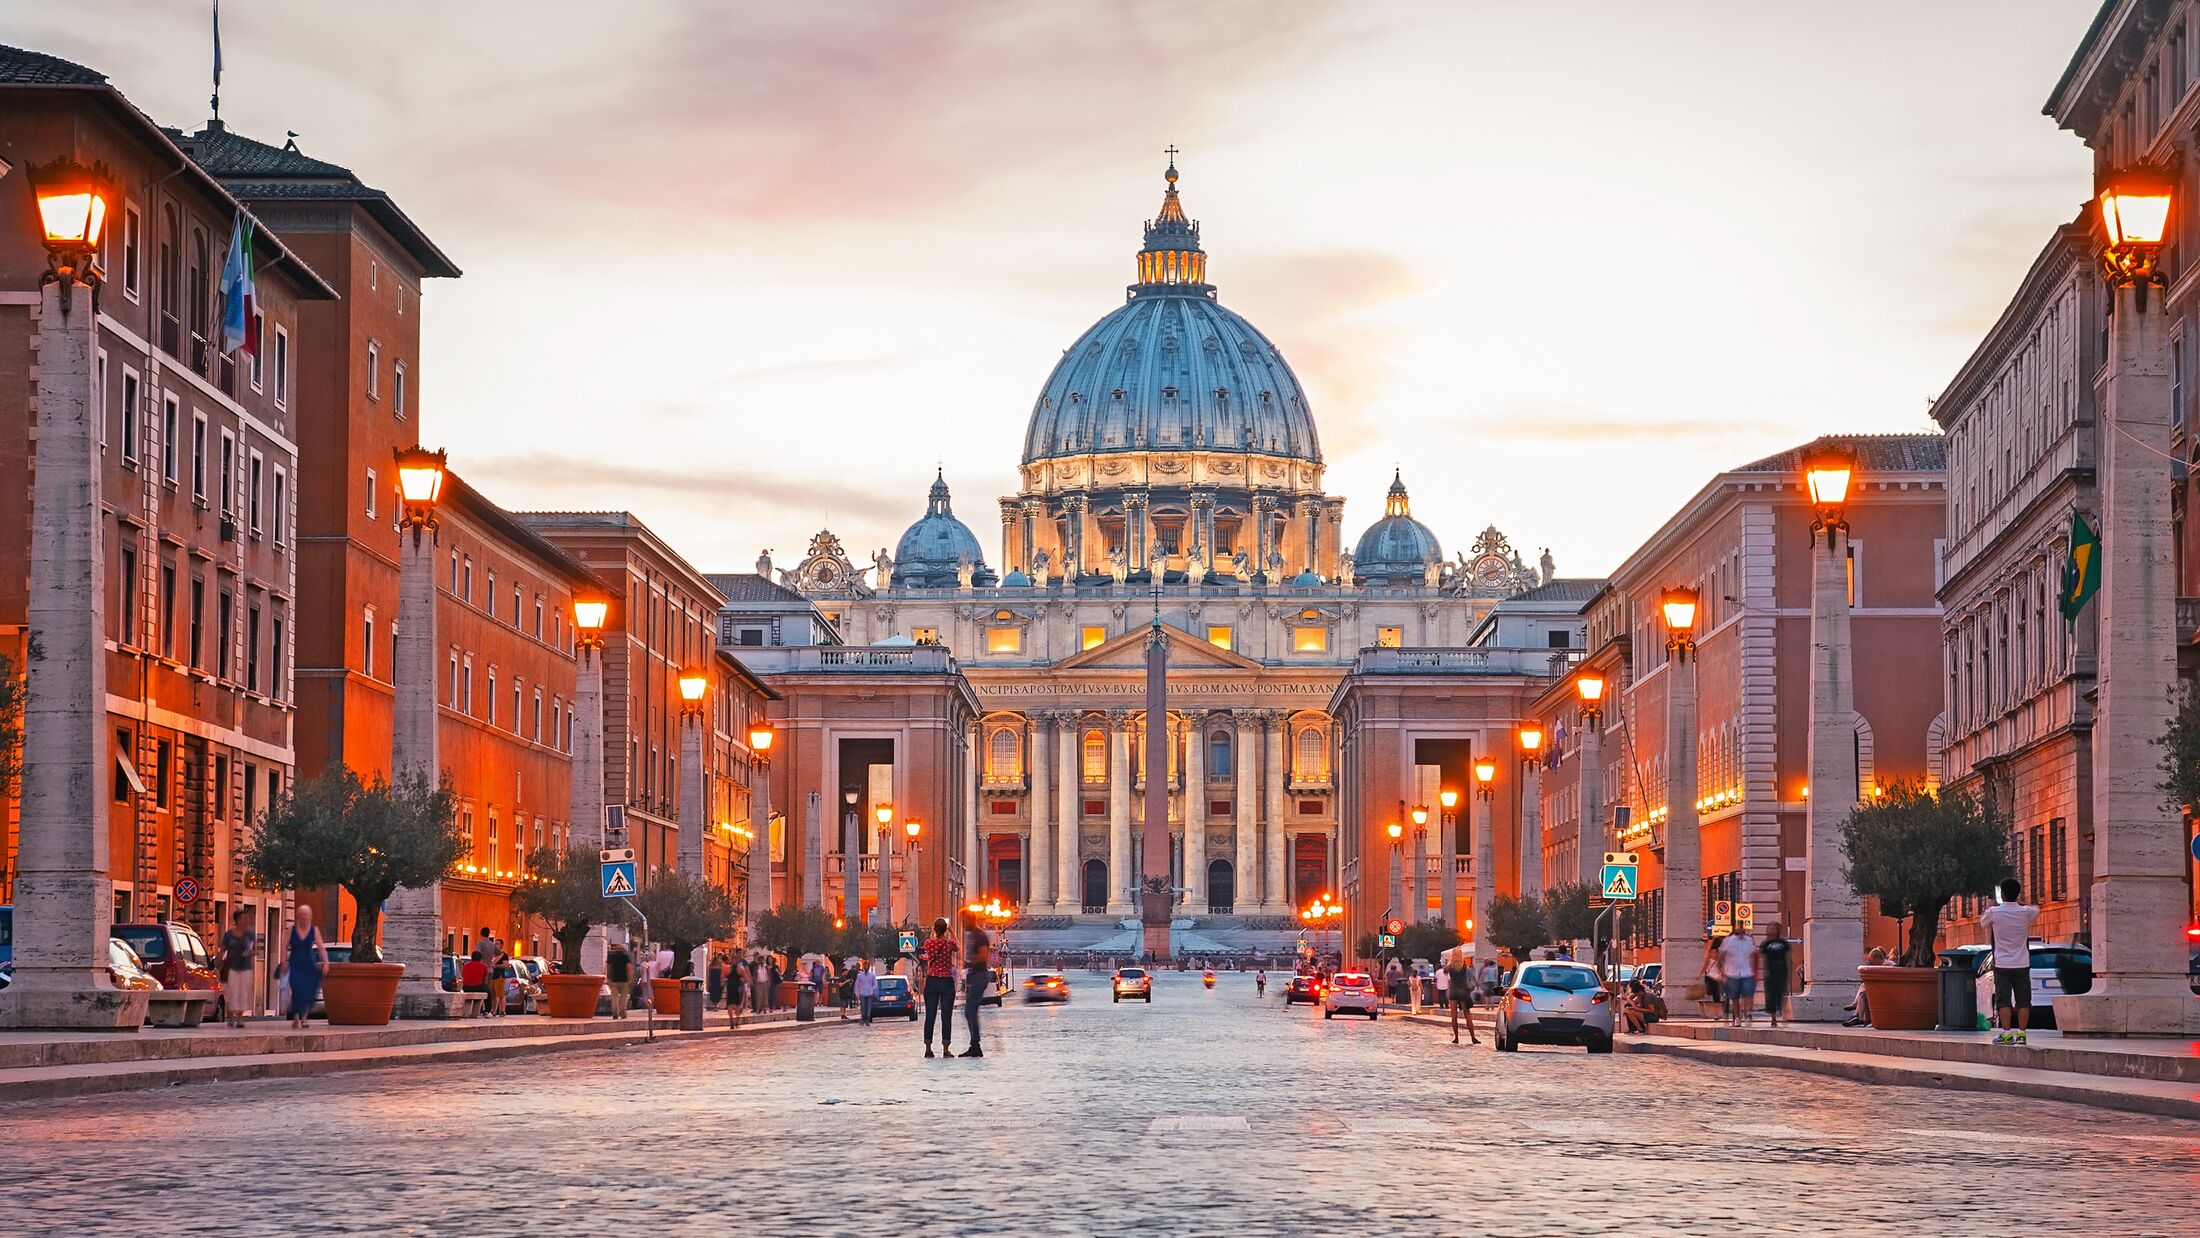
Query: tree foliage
point(1427, 940)
point(796, 931)
point(1514, 924)
point(333, 829)
point(566, 888)
point(1915, 850)
point(867, 941)
point(684, 912)
point(2181, 753)
point(1567, 912)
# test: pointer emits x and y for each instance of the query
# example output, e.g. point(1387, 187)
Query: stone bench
point(179, 1007)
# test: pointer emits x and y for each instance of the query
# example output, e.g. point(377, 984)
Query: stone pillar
point(760, 841)
point(973, 863)
point(586, 814)
point(412, 920)
point(916, 884)
point(1447, 864)
point(1420, 875)
point(813, 850)
point(1039, 863)
point(1068, 857)
point(1833, 915)
point(1590, 836)
point(1485, 849)
point(1120, 875)
point(1531, 830)
point(1272, 881)
point(1195, 813)
point(2139, 897)
point(851, 857)
point(883, 908)
point(1397, 878)
point(1681, 934)
point(1246, 877)
point(694, 814)
point(64, 901)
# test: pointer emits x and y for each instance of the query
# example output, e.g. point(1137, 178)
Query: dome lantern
point(1171, 259)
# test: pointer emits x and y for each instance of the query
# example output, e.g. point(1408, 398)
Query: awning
point(129, 773)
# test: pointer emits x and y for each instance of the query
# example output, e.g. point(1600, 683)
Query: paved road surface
point(1207, 1113)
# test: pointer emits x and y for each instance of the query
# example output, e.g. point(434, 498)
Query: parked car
point(1352, 992)
point(7, 934)
point(1555, 1004)
point(895, 996)
point(1652, 976)
point(174, 954)
point(522, 991)
point(125, 970)
point(2053, 965)
point(1046, 986)
point(1133, 982)
point(999, 991)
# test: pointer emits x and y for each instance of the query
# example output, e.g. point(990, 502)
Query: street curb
point(177, 1072)
point(2083, 1058)
point(2151, 1097)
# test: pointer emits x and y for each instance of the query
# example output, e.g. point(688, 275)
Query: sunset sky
point(748, 269)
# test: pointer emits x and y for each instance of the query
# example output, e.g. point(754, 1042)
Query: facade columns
point(1397, 878)
point(1195, 814)
point(883, 908)
point(412, 920)
point(64, 900)
point(851, 857)
point(1484, 846)
point(1245, 888)
point(973, 862)
point(1039, 861)
point(1682, 930)
point(1119, 813)
point(1833, 914)
point(2139, 897)
point(760, 835)
point(1447, 861)
point(813, 850)
point(1068, 857)
point(1272, 878)
point(1531, 829)
point(1420, 875)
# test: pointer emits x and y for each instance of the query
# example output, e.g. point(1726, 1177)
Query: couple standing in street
point(937, 956)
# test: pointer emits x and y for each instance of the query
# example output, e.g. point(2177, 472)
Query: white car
point(1352, 992)
point(1555, 1004)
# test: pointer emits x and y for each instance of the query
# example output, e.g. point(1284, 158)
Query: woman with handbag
point(1714, 981)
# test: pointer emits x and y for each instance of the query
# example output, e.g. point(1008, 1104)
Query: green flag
point(2081, 574)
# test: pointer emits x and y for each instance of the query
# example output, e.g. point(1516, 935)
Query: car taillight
point(1599, 997)
point(1522, 995)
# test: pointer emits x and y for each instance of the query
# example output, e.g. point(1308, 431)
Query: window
point(1560, 639)
point(492, 696)
point(253, 473)
point(466, 579)
point(1219, 636)
point(535, 724)
point(1856, 571)
point(1093, 636)
point(515, 604)
point(282, 506)
point(397, 389)
point(171, 440)
point(373, 488)
point(1218, 755)
point(454, 674)
point(133, 241)
point(489, 601)
point(1004, 640)
point(128, 594)
point(129, 414)
point(275, 654)
point(1308, 638)
point(1310, 756)
point(198, 610)
point(1390, 637)
point(466, 686)
point(538, 616)
point(168, 610)
point(374, 370)
point(164, 754)
point(259, 332)
point(282, 367)
point(124, 773)
point(1004, 756)
point(226, 474)
point(366, 634)
point(2058, 860)
point(515, 704)
point(1096, 756)
point(923, 636)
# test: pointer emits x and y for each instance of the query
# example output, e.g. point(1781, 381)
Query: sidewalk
point(44, 1065)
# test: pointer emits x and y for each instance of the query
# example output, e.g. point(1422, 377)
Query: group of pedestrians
point(1737, 967)
point(488, 971)
point(939, 958)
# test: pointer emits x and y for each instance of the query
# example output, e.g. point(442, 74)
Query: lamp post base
point(2166, 1010)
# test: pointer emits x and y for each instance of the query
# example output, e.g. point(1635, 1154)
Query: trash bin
point(691, 1004)
point(1958, 991)
point(805, 1002)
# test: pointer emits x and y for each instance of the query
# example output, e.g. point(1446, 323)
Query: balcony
point(1438, 661)
point(847, 659)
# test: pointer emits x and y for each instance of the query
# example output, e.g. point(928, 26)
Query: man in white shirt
point(1738, 963)
point(2008, 924)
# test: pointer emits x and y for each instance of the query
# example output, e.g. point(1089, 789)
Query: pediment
point(1127, 651)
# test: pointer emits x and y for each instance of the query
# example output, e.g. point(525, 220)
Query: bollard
point(691, 1004)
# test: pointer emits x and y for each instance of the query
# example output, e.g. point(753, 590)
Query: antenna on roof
point(216, 101)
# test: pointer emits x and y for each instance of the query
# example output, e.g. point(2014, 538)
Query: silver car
point(1555, 1004)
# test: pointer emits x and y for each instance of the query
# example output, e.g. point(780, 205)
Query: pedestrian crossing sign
point(618, 872)
point(908, 942)
point(1619, 881)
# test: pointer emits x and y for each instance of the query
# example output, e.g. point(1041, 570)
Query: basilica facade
point(1171, 475)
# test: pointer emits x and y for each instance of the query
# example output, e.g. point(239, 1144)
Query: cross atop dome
point(1172, 258)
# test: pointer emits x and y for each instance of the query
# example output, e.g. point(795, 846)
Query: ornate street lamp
point(1485, 772)
point(1530, 738)
point(72, 213)
point(589, 613)
point(1828, 469)
point(1420, 814)
point(1680, 928)
point(760, 741)
point(693, 685)
point(694, 780)
point(1590, 687)
point(420, 475)
point(2135, 214)
point(1679, 605)
point(1396, 831)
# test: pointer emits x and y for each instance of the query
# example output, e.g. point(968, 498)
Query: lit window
point(374, 370)
point(1310, 639)
point(1096, 757)
point(923, 636)
point(1004, 640)
point(1219, 637)
point(1095, 636)
point(1003, 760)
point(1389, 637)
point(1312, 756)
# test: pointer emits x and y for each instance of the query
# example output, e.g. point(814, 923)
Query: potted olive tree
point(1915, 850)
point(683, 912)
point(794, 932)
point(333, 829)
point(565, 888)
point(1514, 925)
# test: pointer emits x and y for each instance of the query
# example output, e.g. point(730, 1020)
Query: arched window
point(1096, 756)
point(1310, 760)
point(1218, 755)
point(1004, 757)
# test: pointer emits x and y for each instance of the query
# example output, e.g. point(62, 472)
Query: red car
point(175, 955)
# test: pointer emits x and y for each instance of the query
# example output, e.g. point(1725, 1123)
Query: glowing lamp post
point(1397, 865)
point(1681, 930)
point(1833, 915)
point(915, 831)
point(760, 818)
point(73, 201)
point(884, 908)
point(1420, 864)
point(2135, 213)
point(590, 613)
point(694, 687)
point(1530, 738)
point(1447, 853)
point(1589, 835)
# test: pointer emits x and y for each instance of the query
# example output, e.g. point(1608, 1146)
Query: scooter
point(1208, 980)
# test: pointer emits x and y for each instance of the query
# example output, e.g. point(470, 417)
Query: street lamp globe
point(1531, 740)
point(1590, 686)
point(913, 828)
point(2135, 212)
point(1448, 797)
point(1828, 470)
point(72, 216)
point(420, 484)
point(760, 737)
point(1395, 830)
point(1420, 814)
point(884, 812)
point(1679, 605)
point(1485, 771)
point(692, 686)
point(589, 613)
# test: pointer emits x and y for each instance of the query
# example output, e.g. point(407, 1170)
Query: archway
point(1096, 885)
point(1221, 888)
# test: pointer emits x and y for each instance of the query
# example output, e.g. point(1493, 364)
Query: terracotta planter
point(1903, 999)
point(664, 994)
point(571, 997)
point(360, 994)
point(787, 990)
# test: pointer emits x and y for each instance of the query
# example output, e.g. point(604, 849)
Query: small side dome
point(1397, 549)
point(932, 553)
point(1016, 580)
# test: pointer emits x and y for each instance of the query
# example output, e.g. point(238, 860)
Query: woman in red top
point(936, 959)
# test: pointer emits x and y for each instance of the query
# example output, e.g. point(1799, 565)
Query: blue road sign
point(1388, 941)
point(618, 872)
point(2196, 846)
point(908, 942)
point(1619, 881)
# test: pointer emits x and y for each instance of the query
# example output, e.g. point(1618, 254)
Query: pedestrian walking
point(866, 991)
point(977, 982)
point(1394, 976)
point(1738, 963)
point(237, 949)
point(760, 985)
point(1774, 958)
point(2008, 924)
point(1714, 980)
point(305, 963)
point(1457, 980)
point(618, 975)
point(714, 981)
point(938, 956)
point(1488, 980)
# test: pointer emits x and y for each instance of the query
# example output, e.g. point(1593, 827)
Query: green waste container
point(1958, 992)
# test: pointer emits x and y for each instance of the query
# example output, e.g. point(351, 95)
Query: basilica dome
point(1171, 370)
point(931, 554)
point(1397, 549)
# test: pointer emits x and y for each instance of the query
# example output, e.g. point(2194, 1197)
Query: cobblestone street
point(1207, 1113)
